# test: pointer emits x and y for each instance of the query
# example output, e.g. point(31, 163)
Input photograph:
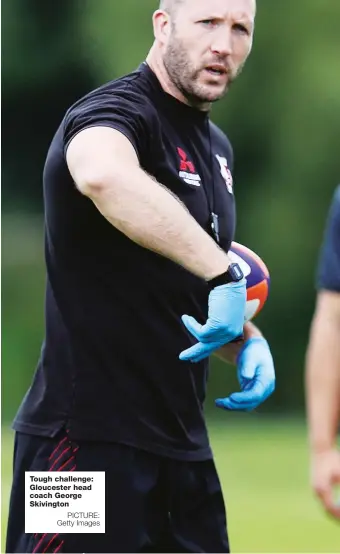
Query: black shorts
point(153, 504)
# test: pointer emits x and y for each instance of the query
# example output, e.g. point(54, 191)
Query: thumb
point(247, 368)
point(192, 325)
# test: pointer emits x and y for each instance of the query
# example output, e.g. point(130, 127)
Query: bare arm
point(105, 168)
point(229, 352)
point(323, 399)
point(323, 372)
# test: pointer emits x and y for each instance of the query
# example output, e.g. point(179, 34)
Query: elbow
point(94, 184)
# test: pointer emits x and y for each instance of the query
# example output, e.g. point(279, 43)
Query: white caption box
point(64, 502)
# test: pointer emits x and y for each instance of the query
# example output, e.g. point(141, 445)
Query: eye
point(207, 22)
point(240, 28)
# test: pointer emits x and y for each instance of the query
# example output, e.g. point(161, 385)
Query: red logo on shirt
point(185, 165)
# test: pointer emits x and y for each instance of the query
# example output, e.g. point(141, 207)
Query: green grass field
point(263, 466)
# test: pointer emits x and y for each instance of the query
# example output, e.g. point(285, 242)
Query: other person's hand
point(325, 470)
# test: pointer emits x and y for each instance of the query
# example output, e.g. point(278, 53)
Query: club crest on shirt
point(225, 172)
point(187, 170)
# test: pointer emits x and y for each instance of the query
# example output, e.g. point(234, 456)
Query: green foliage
point(23, 281)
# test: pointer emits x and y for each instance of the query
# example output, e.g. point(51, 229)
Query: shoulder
point(122, 104)
point(335, 205)
point(328, 274)
point(222, 143)
point(332, 227)
point(127, 93)
point(220, 136)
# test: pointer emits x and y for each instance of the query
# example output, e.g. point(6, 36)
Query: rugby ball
point(257, 276)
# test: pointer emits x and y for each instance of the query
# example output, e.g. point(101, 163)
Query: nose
point(222, 43)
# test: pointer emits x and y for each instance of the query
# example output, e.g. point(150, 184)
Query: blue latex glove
point(226, 309)
point(256, 375)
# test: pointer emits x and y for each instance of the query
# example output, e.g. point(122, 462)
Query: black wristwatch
point(233, 274)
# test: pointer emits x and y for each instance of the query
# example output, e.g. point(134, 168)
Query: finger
point(210, 348)
point(192, 325)
point(326, 497)
point(211, 330)
point(228, 404)
point(194, 351)
point(247, 370)
point(336, 476)
point(254, 392)
point(334, 511)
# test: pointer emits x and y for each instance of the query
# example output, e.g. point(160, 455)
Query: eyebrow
point(244, 18)
point(246, 21)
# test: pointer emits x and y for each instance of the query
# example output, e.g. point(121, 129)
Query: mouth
point(217, 70)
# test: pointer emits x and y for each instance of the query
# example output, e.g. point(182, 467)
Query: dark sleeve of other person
point(328, 271)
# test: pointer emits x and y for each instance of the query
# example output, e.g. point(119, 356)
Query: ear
point(161, 26)
point(250, 46)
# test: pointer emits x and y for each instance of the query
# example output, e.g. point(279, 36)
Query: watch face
point(236, 272)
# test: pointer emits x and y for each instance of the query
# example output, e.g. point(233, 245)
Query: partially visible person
point(323, 368)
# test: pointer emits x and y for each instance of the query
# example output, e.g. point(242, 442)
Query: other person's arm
point(322, 375)
point(323, 398)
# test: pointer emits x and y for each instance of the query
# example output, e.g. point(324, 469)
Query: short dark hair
point(170, 6)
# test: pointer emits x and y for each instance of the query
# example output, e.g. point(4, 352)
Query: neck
point(156, 64)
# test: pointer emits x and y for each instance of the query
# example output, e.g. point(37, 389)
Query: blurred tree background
point(282, 116)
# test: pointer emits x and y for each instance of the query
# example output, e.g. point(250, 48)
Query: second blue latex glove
point(226, 309)
point(256, 375)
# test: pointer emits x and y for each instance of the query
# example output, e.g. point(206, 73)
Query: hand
point(325, 476)
point(226, 309)
point(256, 375)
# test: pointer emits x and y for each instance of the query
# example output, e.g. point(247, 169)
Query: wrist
point(250, 331)
point(232, 275)
point(217, 265)
point(322, 446)
point(247, 342)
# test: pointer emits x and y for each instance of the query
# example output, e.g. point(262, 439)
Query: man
point(139, 220)
point(323, 368)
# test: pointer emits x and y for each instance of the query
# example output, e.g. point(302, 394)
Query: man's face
point(207, 45)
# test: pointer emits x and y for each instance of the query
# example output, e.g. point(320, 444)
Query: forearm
point(149, 215)
point(229, 352)
point(323, 381)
